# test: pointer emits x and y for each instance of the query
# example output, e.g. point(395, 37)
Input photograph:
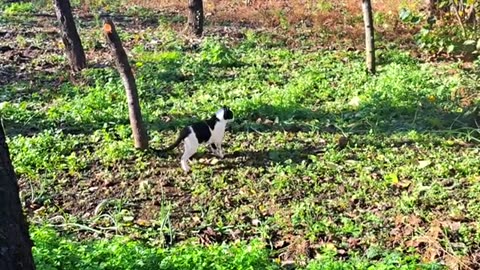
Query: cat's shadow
point(266, 158)
point(241, 159)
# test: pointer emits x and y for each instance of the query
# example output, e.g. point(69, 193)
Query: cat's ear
point(227, 114)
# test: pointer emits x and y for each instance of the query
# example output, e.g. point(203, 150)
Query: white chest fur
point(218, 132)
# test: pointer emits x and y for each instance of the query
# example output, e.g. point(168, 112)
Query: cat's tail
point(183, 134)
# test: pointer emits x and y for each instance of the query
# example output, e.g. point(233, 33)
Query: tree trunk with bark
point(369, 35)
point(15, 243)
point(139, 132)
point(195, 17)
point(431, 8)
point(70, 37)
point(471, 18)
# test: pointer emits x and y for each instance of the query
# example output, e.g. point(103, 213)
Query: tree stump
point(139, 132)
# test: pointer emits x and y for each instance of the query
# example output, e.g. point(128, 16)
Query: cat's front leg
point(216, 149)
point(184, 164)
point(213, 148)
point(219, 150)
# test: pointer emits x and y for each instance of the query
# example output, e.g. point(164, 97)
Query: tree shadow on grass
point(251, 158)
point(454, 125)
point(30, 128)
point(379, 117)
point(265, 158)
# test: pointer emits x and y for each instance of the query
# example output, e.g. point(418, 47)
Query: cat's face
point(225, 114)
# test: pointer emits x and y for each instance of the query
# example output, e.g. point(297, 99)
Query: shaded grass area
point(327, 87)
point(405, 180)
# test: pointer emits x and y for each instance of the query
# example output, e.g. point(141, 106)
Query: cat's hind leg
point(191, 146)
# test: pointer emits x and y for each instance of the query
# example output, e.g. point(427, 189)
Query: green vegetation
point(18, 9)
point(325, 166)
point(54, 252)
point(453, 30)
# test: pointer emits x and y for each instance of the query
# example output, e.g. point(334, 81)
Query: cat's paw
point(218, 153)
point(185, 166)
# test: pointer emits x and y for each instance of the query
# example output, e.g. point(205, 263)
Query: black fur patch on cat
point(202, 129)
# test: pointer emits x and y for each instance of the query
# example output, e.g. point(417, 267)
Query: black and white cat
point(210, 131)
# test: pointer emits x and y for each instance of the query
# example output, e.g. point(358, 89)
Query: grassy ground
point(322, 161)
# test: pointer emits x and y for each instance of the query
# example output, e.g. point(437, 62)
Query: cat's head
point(225, 114)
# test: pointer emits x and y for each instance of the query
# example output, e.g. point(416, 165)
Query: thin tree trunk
point(369, 36)
point(139, 132)
point(431, 8)
point(471, 17)
point(195, 17)
point(15, 243)
point(70, 37)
